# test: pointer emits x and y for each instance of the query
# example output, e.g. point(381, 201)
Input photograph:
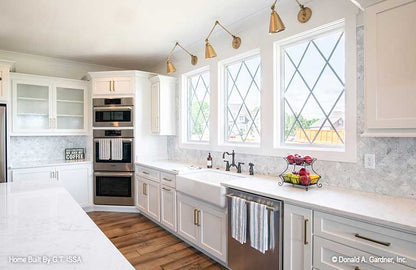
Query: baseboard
point(111, 208)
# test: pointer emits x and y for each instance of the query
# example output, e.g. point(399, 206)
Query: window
point(242, 91)
point(313, 90)
point(198, 106)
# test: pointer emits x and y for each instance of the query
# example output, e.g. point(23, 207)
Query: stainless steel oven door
point(117, 116)
point(125, 164)
point(114, 188)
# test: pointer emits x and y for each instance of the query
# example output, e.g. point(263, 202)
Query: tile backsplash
point(395, 157)
point(23, 149)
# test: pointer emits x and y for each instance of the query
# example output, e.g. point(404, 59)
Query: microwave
point(113, 112)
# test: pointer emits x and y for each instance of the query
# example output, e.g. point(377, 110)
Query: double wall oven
point(113, 151)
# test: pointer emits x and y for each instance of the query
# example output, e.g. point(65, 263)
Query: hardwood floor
point(148, 246)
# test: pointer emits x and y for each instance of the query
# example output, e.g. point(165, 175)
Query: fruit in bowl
point(299, 159)
point(308, 159)
point(314, 178)
point(305, 180)
point(290, 159)
point(303, 171)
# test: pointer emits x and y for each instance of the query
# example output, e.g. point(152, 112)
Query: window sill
point(327, 154)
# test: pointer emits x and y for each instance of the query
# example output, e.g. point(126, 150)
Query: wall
point(23, 149)
point(395, 157)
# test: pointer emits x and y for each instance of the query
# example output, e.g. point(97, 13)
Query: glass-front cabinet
point(48, 106)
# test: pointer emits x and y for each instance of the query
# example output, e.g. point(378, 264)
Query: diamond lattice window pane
point(242, 101)
point(198, 107)
point(314, 91)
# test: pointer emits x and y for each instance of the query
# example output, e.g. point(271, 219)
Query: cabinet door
point(71, 108)
point(33, 174)
point(297, 238)
point(102, 86)
point(2, 82)
point(123, 85)
point(32, 103)
point(155, 107)
point(168, 207)
point(390, 52)
point(153, 200)
point(213, 231)
point(141, 195)
point(187, 227)
point(75, 179)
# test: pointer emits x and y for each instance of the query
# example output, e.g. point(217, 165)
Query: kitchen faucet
point(227, 163)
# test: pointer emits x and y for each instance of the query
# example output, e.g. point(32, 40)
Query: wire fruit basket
point(303, 174)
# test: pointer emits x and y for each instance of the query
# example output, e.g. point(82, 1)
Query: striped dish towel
point(116, 149)
point(239, 219)
point(104, 152)
point(259, 227)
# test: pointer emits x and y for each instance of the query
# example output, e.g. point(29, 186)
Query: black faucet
point(227, 164)
point(239, 167)
point(251, 169)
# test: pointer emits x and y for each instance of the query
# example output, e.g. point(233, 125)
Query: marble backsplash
point(395, 172)
point(23, 149)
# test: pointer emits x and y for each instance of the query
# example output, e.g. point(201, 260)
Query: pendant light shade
point(209, 51)
point(170, 67)
point(276, 24)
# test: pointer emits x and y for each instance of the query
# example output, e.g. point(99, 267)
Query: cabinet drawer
point(364, 236)
point(148, 173)
point(331, 255)
point(168, 179)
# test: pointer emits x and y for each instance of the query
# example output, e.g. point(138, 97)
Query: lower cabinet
point(297, 240)
point(203, 225)
point(148, 197)
point(168, 207)
point(75, 178)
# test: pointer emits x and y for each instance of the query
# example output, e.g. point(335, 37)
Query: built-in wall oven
point(113, 112)
point(113, 168)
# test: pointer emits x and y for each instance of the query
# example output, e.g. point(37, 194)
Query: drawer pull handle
point(167, 179)
point(387, 244)
point(198, 222)
point(145, 189)
point(357, 268)
point(305, 238)
point(145, 172)
point(166, 189)
point(195, 211)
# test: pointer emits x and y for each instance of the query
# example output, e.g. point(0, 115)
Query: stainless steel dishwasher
point(243, 256)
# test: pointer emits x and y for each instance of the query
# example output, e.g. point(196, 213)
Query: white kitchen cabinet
point(4, 79)
point(33, 174)
point(203, 225)
point(141, 194)
point(49, 106)
point(297, 239)
point(390, 69)
point(163, 105)
point(168, 207)
point(75, 178)
point(149, 197)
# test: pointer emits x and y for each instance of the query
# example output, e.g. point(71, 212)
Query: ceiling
point(131, 34)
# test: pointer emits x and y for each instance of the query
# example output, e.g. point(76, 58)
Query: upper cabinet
point(390, 69)
point(115, 83)
point(163, 105)
point(4, 80)
point(49, 106)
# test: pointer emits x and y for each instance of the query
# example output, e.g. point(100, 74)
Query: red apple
point(308, 159)
point(290, 159)
point(299, 160)
point(305, 180)
point(303, 172)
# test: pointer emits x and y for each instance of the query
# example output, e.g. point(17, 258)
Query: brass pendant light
point(276, 24)
point(304, 14)
point(170, 68)
point(209, 50)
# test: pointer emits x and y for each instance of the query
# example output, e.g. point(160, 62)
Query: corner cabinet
point(390, 69)
point(163, 114)
point(297, 240)
point(49, 106)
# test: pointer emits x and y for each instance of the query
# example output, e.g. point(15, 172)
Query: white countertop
point(169, 166)
point(46, 163)
point(42, 219)
point(386, 210)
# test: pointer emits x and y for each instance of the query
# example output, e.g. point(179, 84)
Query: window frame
point(325, 152)
point(184, 114)
point(221, 108)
